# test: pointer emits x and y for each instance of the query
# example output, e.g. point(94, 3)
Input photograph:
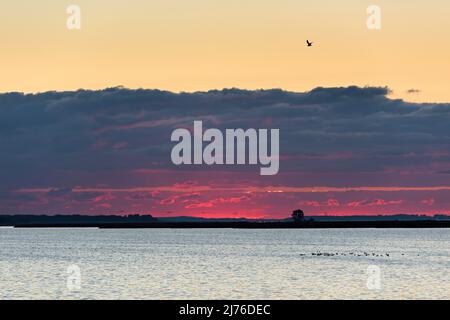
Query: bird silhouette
point(309, 43)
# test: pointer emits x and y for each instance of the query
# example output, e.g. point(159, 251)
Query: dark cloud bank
point(348, 129)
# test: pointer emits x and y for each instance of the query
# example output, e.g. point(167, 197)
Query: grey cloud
point(46, 135)
point(58, 192)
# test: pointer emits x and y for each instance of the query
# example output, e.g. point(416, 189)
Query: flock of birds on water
point(354, 254)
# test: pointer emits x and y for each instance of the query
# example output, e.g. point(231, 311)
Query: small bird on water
point(309, 43)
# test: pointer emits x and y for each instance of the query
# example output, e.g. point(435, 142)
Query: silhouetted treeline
point(14, 220)
point(147, 221)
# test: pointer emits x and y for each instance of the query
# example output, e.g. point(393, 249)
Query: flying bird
point(309, 43)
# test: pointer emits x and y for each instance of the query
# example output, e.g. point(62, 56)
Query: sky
point(363, 114)
point(193, 45)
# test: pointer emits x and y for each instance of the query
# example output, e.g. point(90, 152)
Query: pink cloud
point(333, 203)
point(373, 203)
point(328, 203)
point(200, 205)
point(104, 205)
point(214, 202)
point(428, 202)
point(104, 197)
point(310, 203)
point(183, 198)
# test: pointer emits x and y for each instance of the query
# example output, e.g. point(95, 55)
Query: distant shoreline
point(150, 222)
point(247, 225)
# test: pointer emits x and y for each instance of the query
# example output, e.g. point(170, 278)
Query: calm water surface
point(224, 264)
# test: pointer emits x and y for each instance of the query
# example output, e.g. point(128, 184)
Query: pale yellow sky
point(189, 45)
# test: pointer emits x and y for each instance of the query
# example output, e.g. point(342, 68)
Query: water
point(224, 264)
